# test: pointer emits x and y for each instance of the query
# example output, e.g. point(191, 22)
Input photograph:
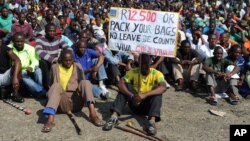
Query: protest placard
point(147, 31)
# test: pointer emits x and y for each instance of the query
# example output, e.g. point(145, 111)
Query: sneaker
point(104, 96)
point(151, 129)
point(104, 89)
point(110, 124)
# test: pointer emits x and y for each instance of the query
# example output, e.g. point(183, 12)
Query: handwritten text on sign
point(151, 32)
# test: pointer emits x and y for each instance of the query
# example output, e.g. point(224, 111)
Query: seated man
point(186, 65)
point(69, 91)
point(9, 75)
point(31, 73)
point(86, 58)
point(48, 47)
point(218, 80)
point(144, 96)
point(23, 27)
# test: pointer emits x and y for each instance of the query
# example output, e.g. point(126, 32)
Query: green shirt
point(147, 83)
point(28, 56)
point(6, 23)
point(5, 5)
point(219, 66)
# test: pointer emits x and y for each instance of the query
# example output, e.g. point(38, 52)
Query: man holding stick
point(69, 91)
point(142, 88)
point(9, 74)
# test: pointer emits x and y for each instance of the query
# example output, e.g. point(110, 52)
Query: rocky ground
point(185, 117)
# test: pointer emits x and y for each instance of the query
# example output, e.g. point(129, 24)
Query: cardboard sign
point(147, 31)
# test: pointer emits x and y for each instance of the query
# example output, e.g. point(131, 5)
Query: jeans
point(5, 78)
point(101, 71)
point(34, 83)
point(97, 91)
point(120, 56)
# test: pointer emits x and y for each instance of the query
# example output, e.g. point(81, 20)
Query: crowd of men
point(58, 49)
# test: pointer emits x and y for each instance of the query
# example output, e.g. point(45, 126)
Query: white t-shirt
point(12, 7)
point(206, 52)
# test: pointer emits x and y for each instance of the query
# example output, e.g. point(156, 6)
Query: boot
point(4, 93)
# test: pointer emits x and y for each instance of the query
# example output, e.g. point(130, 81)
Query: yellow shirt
point(64, 76)
point(147, 83)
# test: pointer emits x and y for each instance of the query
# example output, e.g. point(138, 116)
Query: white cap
point(230, 69)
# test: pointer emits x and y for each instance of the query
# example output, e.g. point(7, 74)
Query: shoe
point(213, 100)
point(151, 129)
point(167, 85)
point(110, 124)
point(104, 96)
point(17, 98)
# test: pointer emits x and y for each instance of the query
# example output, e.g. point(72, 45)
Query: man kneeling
point(69, 91)
point(143, 91)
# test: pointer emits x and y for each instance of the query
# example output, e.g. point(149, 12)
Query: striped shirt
point(49, 50)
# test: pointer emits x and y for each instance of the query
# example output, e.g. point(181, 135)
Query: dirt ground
point(185, 117)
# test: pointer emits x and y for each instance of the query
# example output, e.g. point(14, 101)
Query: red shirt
point(26, 29)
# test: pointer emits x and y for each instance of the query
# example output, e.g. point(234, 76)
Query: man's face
point(224, 38)
point(5, 12)
point(212, 27)
point(237, 52)
point(73, 25)
point(19, 42)
point(195, 38)
point(98, 21)
point(49, 15)
point(84, 37)
point(218, 53)
point(81, 47)
point(212, 40)
point(83, 23)
point(186, 48)
point(145, 68)
point(51, 32)
point(67, 61)
point(21, 18)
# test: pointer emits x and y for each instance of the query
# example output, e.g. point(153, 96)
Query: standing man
point(142, 89)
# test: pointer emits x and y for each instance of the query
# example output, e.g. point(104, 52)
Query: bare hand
point(128, 67)
point(137, 100)
point(227, 76)
point(94, 69)
point(15, 83)
point(29, 70)
point(93, 75)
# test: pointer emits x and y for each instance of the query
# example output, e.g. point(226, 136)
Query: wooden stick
point(27, 111)
point(136, 133)
point(131, 125)
point(72, 118)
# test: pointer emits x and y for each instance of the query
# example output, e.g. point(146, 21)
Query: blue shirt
point(240, 62)
point(86, 59)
